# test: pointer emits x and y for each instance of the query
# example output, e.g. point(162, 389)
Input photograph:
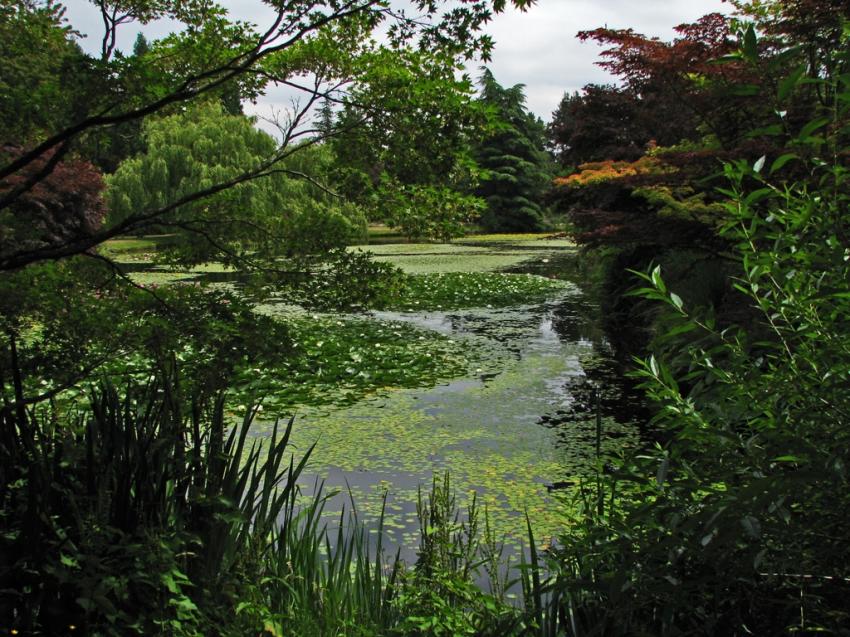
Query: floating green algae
point(155, 277)
point(503, 237)
point(340, 360)
point(418, 249)
point(130, 249)
point(456, 262)
point(442, 384)
point(484, 434)
point(526, 241)
point(454, 290)
point(476, 253)
point(485, 428)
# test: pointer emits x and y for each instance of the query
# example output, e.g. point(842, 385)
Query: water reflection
point(577, 319)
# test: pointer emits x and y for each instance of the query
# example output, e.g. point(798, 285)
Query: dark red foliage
point(639, 226)
point(690, 96)
point(63, 206)
point(816, 23)
point(602, 123)
point(680, 83)
point(643, 62)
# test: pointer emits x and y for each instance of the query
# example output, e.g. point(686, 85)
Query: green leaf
point(812, 126)
point(657, 281)
point(780, 161)
point(68, 561)
point(745, 90)
point(170, 583)
point(676, 300)
point(757, 195)
point(750, 47)
point(787, 85)
point(752, 526)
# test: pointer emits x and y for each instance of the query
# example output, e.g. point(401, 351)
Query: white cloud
point(537, 48)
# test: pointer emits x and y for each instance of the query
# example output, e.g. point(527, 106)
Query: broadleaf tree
point(298, 49)
point(400, 158)
point(222, 189)
point(282, 215)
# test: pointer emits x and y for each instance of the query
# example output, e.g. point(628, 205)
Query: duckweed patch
point(487, 261)
point(441, 382)
point(130, 250)
point(478, 253)
point(484, 433)
point(409, 249)
point(155, 277)
point(456, 290)
point(338, 361)
point(505, 237)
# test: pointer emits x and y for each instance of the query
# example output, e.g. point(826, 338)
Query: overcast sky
point(537, 48)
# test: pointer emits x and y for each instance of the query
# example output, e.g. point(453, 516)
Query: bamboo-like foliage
point(137, 510)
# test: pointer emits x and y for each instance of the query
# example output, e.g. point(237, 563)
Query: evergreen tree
point(325, 118)
point(141, 46)
point(516, 166)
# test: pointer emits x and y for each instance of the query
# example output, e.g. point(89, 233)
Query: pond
point(504, 398)
point(517, 428)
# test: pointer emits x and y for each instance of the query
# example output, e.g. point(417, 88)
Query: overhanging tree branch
point(199, 83)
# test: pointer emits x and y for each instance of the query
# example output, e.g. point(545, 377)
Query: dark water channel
point(604, 386)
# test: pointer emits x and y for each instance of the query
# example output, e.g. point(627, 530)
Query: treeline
point(642, 178)
point(388, 135)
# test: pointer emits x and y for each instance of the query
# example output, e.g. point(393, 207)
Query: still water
point(517, 431)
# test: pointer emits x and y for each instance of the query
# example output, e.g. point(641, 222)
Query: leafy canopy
point(282, 214)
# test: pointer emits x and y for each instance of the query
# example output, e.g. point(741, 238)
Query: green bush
point(440, 597)
point(136, 514)
point(737, 524)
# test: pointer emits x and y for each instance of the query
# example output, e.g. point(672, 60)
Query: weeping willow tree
point(284, 213)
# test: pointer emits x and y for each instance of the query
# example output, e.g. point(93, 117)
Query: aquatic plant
point(339, 360)
point(455, 290)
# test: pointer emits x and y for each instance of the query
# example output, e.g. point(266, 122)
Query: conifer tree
point(516, 166)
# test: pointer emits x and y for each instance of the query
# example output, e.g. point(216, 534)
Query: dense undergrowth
point(732, 526)
point(147, 512)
